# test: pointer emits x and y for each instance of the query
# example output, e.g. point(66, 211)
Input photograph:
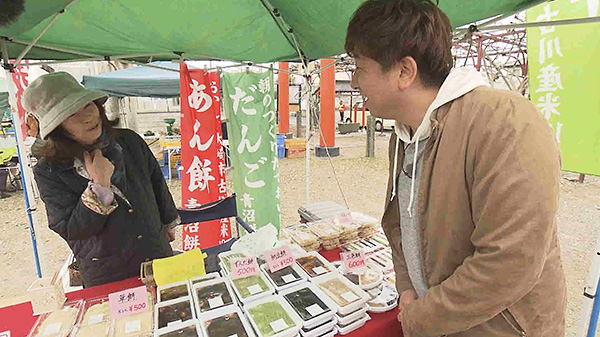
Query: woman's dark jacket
point(111, 247)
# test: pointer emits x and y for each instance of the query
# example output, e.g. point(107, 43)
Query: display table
point(19, 319)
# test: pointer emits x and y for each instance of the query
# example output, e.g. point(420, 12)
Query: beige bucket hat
point(52, 98)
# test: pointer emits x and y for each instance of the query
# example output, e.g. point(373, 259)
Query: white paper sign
point(315, 310)
point(254, 289)
point(350, 296)
point(215, 302)
point(174, 322)
point(278, 325)
point(319, 270)
point(95, 319)
point(52, 329)
point(133, 326)
point(288, 278)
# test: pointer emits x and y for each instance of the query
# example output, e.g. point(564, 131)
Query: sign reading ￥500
point(564, 77)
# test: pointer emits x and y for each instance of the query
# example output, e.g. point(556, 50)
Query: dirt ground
point(362, 182)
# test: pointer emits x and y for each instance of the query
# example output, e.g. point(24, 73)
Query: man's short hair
point(389, 30)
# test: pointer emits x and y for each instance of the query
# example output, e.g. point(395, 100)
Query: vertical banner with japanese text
point(20, 79)
point(202, 155)
point(252, 130)
point(564, 77)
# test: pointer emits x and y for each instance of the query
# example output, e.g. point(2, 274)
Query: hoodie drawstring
point(395, 178)
point(413, 178)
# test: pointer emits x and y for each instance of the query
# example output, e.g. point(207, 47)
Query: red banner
point(202, 154)
point(19, 78)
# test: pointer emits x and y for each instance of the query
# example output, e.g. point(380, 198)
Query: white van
point(352, 117)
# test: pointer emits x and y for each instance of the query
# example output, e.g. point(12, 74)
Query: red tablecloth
point(19, 319)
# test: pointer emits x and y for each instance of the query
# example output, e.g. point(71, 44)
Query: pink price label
point(128, 302)
point(279, 258)
point(344, 218)
point(244, 267)
point(354, 260)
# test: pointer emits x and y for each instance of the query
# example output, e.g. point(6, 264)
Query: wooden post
point(370, 137)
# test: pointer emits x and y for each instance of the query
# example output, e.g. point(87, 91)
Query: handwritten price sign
point(279, 258)
point(128, 302)
point(344, 218)
point(244, 267)
point(354, 261)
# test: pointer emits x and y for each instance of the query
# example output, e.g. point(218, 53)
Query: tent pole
point(26, 179)
point(308, 124)
point(536, 24)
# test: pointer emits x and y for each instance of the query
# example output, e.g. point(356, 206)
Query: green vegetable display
point(242, 285)
point(266, 313)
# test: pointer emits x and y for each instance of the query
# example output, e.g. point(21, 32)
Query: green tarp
point(219, 29)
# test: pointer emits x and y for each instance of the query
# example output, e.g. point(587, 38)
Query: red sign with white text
point(202, 154)
point(19, 78)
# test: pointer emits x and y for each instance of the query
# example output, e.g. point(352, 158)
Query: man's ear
point(405, 72)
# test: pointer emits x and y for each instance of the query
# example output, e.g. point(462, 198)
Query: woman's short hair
point(389, 30)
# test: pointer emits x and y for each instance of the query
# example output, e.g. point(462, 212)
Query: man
point(473, 188)
point(342, 109)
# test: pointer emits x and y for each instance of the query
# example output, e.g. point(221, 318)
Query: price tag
point(278, 325)
point(315, 310)
point(133, 326)
point(319, 270)
point(354, 261)
point(95, 319)
point(344, 218)
point(254, 289)
point(279, 258)
point(52, 329)
point(288, 278)
point(350, 296)
point(128, 302)
point(243, 267)
point(215, 302)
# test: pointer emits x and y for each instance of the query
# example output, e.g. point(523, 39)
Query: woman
point(103, 189)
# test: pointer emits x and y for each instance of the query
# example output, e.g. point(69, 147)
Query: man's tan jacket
point(487, 203)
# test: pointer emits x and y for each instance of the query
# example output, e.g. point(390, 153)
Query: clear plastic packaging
point(385, 301)
point(174, 311)
point(95, 310)
point(101, 329)
point(314, 264)
point(140, 324)
point(303, 236)
point(368, 279)
point(173, 291)
point(251, 288)
point(203, 278)
point(328, 234)
point(225, 260)
point(189, 328)
point(285, 278)
point(346, 329)
point(273, 317)
point(319, 330)
point(311, 305)
point(351, 317)
point(213, 294)
point(58, 323)
point(344, 294)
point(368, 224)
point(225, 322)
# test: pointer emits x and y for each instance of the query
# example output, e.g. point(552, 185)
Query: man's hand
point(406, 298)
point(171, 234)
point(99, 168)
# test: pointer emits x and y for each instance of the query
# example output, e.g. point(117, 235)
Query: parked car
point(380, 124)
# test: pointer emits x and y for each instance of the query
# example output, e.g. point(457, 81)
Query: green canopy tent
point(3, 97)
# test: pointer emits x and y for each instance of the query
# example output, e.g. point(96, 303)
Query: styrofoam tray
point(320, 330)
point(287, 332)
point(329, 311)
point(160, 305)
point(343, 310)
point(327, 266)
point(354, 326)
point(347, 319)
point(159, 289)
point(192, 323)
point(270, 290)
point(213, 303)
point(302, 277)
point(205, 317)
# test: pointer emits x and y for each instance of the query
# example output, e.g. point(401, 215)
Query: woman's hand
point(171, 234)
point(99, 168)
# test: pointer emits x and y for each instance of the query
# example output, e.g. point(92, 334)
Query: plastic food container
point(203, 278)
point(101, 329)
point(140, 324)
point(189, 328)
point(213, 294)
point(303, 236)
point(328, 234)
point(369, 279)
point(314, 265)
point(351, 317)
point(58, 323)
point(225, 260)
point(385, 301)
point(248, 289)
point(311, 305)
point(285, 278)
point(330, 333)
point(225, 322)
point(174, 311)
point(173, 291)
point(346, 296)
point(319, 330)
point(95, 311)
point(346, 329)
point(368, 224)
point(272, 316)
